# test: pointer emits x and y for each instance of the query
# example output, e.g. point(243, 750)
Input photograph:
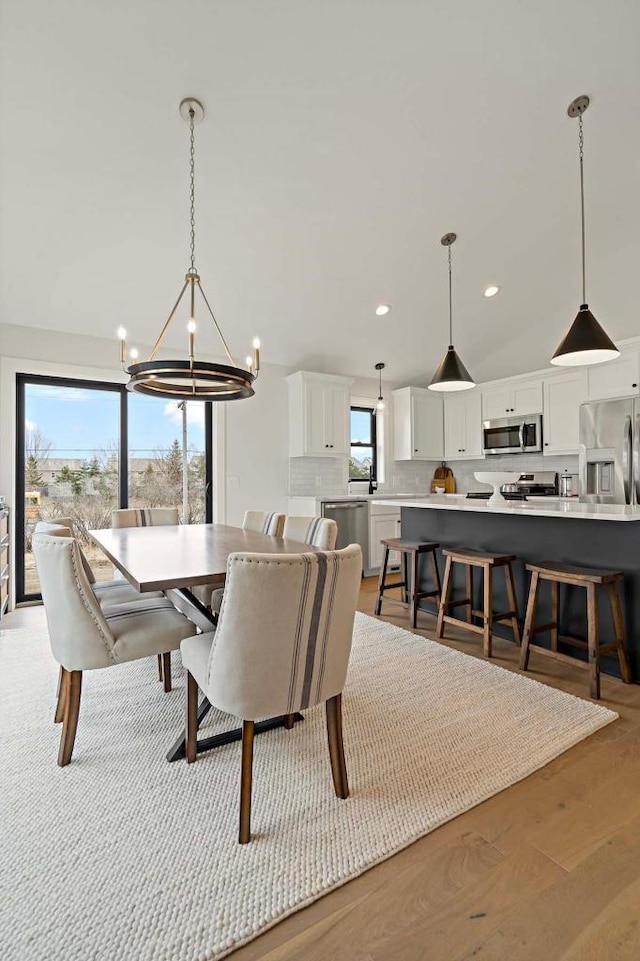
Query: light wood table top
point(160, 558)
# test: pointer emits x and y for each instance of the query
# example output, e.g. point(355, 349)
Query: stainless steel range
point(542, 483)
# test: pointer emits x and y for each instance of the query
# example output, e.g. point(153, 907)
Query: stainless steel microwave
point(513, 435)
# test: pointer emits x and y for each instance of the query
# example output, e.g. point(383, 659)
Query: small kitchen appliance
point(512, 435)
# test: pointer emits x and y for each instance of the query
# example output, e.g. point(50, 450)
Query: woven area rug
point(122, 855)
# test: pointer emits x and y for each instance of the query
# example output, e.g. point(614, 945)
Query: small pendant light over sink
point(380, 405)
point(586, 342)
point(451, 374)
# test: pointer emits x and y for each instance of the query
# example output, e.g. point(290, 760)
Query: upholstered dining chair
point(281, 645)
point(262, 522)
point(107, 593)
point(321, 532)
point(85, 636)
point(144, 517)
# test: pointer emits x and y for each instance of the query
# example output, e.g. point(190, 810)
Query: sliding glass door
point(85, 448)
point(167, 455)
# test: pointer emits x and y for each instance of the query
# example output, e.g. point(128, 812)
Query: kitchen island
point(602, 536)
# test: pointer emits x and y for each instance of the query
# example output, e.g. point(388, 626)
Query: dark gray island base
point(604, 545)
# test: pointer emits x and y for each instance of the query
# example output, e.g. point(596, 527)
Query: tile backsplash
point(317, 476)
point(322, 476)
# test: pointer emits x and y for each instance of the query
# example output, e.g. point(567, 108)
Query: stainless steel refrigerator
point(610, 451)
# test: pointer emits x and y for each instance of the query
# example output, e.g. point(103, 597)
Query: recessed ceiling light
point(382, 309)
point(491, 290)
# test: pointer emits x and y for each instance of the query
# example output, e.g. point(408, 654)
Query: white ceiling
point(342, 139)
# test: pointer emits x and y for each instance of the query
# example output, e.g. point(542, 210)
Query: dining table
point(176, 558)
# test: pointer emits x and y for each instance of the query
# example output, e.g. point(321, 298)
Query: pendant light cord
point(192, 190)
point(581, 146)
point(450, 302)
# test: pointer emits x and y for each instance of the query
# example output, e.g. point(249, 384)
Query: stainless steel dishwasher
point(352, 518)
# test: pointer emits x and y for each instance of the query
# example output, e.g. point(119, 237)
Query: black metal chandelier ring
point(200, 380)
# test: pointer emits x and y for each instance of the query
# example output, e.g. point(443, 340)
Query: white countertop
point(357, 497)
point(537, 508)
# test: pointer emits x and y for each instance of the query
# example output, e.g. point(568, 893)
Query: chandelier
point(191, 378)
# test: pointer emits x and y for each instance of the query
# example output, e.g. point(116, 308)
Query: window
point(87, 447)
point(363, 462)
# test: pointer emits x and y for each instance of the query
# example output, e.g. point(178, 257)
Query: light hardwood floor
point(547, 870)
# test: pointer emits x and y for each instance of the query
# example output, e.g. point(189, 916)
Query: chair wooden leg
point(513, 602)
point(289, 721)
point(245, 782)
point(381, 580)
point(444, 598)
point(405, 576)
point(336, 747)
point(555, 614)
point(59, 715)
point(468, 579)
point(191, 725)
point(529, 620)
point(488, 599)
point(436, 576)
point(160, 675)
point(593, 641)
point(621, 636)
point(73, 688)
point(166, 671)
point(415, 575)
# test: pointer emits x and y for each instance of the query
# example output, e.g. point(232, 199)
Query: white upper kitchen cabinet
point(563, 394)
point(511, 399)
point(418, 424)
point(615, 378)
point(319, 407)
point(463, 425)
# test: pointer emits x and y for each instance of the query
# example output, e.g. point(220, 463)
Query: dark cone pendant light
point(451, 374)
point(586, 341)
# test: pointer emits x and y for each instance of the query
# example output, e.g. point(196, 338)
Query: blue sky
point(79, 422)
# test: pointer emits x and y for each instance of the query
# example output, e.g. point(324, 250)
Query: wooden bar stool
point(488, 562)
point(411, 594)
point(591, 580)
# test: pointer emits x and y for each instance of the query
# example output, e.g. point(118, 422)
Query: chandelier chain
point(581, 151)
point(450, 302)
point(192, 190)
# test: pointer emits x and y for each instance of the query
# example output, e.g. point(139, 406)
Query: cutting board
point(443, 477)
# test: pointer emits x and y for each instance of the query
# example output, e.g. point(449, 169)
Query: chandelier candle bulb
point(122, 335)
point(249, 363)
point(134, 353)
point(191, 327)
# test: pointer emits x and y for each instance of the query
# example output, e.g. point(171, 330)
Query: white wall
point(257, 447)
